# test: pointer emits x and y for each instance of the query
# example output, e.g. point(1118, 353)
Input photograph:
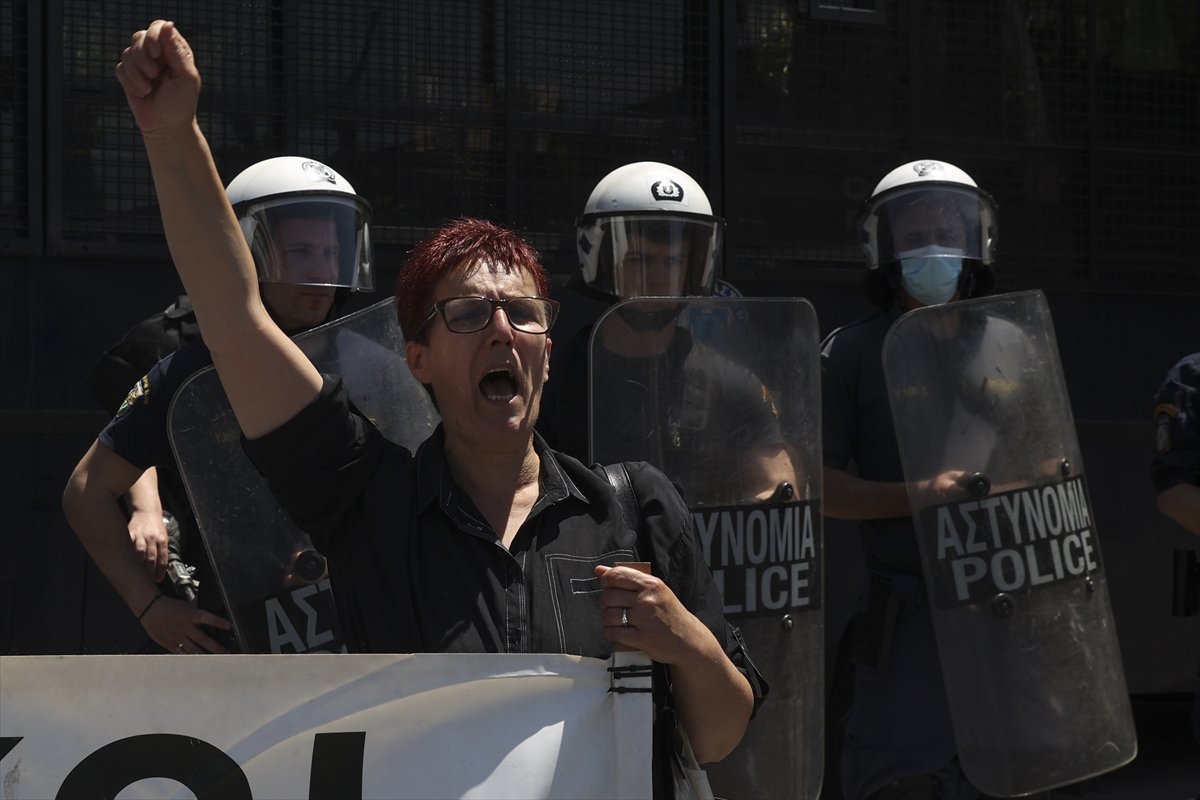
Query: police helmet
point(648, 229)
point(936, 188)
point(269, 195)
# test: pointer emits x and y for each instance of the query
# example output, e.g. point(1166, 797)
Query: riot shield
point(723, 395)
point(274, 583)
point(1016, 585)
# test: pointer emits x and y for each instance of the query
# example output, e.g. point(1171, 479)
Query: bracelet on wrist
point(156, 598)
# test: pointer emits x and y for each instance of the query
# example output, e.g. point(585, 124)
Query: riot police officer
point(149, 503)
point(648, 230)
point(928, 236)
point(672, 375)
point(309, 234)
point(1175, 469)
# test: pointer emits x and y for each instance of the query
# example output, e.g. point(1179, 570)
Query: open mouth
point(499, 385)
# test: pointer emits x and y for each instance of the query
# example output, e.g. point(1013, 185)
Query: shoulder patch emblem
point(140, 391)
point(1164, 413)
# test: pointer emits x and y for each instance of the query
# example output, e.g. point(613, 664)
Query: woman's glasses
point(470, 314)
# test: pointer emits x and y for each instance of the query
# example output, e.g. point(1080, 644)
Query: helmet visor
point(312, 240)
point(656, 255)
point(951, 221)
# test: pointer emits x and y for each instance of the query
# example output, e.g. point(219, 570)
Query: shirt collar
point(556, 483)
point(434, 480)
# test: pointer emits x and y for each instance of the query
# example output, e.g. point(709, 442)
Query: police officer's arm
point(266, 377)
point(845, 495)
point(1181, 503)
point(92, 505)
point(767, 469)
point(848, 496)
point(147, 531)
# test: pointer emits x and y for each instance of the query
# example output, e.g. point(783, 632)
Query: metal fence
point(1081, 118)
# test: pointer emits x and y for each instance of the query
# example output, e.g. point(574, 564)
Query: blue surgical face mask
point(931, 273)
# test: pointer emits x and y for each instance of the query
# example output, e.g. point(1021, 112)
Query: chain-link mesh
point(1080, 118)
point(16, 227)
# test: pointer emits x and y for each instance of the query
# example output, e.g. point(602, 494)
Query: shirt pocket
point(575, 600)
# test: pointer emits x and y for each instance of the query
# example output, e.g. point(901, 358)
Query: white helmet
point(940, 189)
point(656, 223)
point(269, 194)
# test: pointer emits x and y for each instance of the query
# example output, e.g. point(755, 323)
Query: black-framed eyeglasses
point(470, 314)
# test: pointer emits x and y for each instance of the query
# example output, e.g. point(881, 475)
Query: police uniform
point(1177, 444)
point(125, 364)
point(138, 434)
point(1177, 426)
point(898, 723)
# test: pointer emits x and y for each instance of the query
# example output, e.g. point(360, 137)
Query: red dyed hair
point(453, 248)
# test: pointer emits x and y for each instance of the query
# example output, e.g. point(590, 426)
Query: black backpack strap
point(618, 476)
point(664, 715)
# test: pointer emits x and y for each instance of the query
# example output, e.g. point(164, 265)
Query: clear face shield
point(658, 255)
point(948, 222)
point(311, 240)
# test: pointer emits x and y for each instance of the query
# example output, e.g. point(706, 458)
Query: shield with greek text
point(1008, 539)
point(723, 395)
point(275, 585)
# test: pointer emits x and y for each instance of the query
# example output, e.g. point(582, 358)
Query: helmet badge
point(924, 168)
point(667, 189)
point(317, 171)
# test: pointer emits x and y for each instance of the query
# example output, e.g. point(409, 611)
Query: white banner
point(325, 726)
